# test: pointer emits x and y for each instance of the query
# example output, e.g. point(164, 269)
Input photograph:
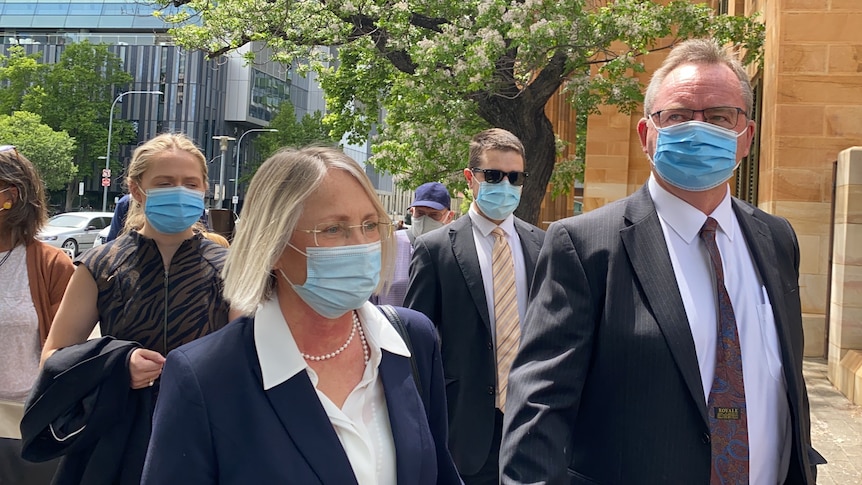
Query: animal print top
point(140, 301)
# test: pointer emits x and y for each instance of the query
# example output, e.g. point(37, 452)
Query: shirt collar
point(685, 220)
point(485, 226)
point(379, 331)
point(279, 357)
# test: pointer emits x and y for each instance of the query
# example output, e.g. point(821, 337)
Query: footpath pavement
point(836, 428)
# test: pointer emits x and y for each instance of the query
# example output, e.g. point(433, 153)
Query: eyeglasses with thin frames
point(723, 116)
point(338, 233)
point(493, 176)
point(436, 215)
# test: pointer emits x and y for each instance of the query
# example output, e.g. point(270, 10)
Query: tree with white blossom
point(442, 70)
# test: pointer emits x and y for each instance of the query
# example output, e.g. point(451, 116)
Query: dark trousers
point(14, 470)
point(489, 474)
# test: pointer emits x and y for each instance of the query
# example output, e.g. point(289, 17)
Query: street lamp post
point(110, 130)
point(236, 173)
point(223, 141)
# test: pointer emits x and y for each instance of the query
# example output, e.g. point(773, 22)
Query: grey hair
point(699, 51)
point(275, 202)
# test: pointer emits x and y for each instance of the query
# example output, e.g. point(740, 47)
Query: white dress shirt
point(362, 423)
point(765, 391)
point(484, 240)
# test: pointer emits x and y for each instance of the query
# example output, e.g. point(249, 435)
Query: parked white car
point(102, 236)
point(74, 231)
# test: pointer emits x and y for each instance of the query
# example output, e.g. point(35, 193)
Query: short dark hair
point(493, 139)
point(28, 213)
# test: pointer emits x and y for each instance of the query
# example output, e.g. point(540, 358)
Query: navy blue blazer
point(214, 423)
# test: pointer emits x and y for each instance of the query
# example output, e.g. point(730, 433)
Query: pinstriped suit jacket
point(606, 388)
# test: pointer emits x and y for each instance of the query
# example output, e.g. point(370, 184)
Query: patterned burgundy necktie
point(728, 420)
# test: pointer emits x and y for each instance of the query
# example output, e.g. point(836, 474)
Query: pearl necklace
point(330, 355)
point(365, 351)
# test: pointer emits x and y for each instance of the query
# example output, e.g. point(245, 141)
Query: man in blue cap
point(430, 210)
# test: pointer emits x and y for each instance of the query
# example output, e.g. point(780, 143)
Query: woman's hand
point(145, 366)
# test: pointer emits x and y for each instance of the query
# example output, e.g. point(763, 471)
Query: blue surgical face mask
point(498, 201)
point(172, 210)
point(695, 155)
point(338, 279)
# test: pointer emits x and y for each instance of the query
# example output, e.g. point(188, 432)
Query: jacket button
point(491, 390)
point(490, 345)
point(705, 438)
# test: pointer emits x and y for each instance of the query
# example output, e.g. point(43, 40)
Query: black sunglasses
point(496, 176)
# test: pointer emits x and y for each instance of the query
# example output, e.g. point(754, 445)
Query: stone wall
point(845, 313)
point(812, 109)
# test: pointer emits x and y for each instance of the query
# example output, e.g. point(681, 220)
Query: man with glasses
point(472, 280)
point(429, 210)
point(664, 338)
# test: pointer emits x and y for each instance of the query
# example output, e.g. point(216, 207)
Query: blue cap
point(433, 195)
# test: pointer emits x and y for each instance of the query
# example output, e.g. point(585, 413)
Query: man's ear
point(468, 175)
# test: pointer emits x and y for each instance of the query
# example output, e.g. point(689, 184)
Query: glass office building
point(202, 97)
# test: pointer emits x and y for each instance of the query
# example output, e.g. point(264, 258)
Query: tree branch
point(366, 26)
point(548, 80)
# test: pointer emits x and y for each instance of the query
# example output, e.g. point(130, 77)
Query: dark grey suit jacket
point(606, 388)
point(446, 285)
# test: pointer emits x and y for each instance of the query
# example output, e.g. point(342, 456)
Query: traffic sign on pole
point(106, 182)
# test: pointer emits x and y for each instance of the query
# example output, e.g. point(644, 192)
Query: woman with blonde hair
point(157, 285)
point(313, 382)
point(34, 276)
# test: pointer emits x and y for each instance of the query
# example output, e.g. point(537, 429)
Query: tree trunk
point(71, 195)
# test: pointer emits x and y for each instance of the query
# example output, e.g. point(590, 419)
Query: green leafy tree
point(50, 151)
point(20, 75)
point(79, 90)
point(442, 70)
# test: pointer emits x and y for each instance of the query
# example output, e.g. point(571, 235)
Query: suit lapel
point(297, 406)
point(644, 242)
point(464, 249)
point(529, 246)
point(401, 401)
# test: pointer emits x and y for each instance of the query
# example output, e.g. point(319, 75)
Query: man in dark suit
point(452, 281)
point(663, 344)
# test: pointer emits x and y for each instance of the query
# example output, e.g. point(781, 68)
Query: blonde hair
point(141, 162)
point(699, 51)
point(275, 201)
point(493, 139)
point(217, 238)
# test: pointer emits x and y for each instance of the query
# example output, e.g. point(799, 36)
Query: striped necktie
point(505, 311)
point(728, 417)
